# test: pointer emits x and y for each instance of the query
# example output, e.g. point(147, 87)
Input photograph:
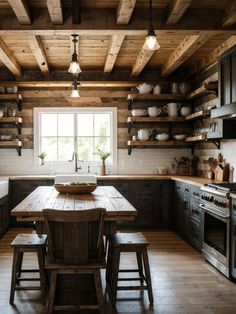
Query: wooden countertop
point(198, 181)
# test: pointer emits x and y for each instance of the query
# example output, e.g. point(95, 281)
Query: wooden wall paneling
point(21, 10)
point(39, 53)
point(124, 11)
point(177, 10)
point(55, 11)
point(9, 59)
point(113, 51)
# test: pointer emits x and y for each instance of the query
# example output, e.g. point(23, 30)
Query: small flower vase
point(103, 168)
point(42, 161)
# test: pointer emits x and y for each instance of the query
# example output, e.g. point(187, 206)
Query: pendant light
point(74, 65)
point(75, 92)
point(151, 42)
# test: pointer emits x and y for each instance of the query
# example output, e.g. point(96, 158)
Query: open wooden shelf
point(16, 121)
point(132, 120)
point(197, 138)
point(12, 97)
point(168, 97)
point(12, 144)
point(169, 144)
point(205, 89)
point(198, 114)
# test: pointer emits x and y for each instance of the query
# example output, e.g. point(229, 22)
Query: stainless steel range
point(217, 207)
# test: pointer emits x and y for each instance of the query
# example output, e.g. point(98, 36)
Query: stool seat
point(129, 239)
point(31, 243)
point(29, 240)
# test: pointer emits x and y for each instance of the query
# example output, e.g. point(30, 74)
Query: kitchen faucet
point(75, 158)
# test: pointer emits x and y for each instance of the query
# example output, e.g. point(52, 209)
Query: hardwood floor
point(182, 281)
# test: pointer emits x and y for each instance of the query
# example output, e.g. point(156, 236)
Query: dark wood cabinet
point(5, 218)
point(124, 187)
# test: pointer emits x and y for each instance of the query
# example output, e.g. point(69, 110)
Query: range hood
point(224, 112)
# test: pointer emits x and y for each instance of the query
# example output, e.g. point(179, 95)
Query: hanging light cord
point(151, 28)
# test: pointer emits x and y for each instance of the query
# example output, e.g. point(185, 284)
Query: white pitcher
point(172, 109)
point(143, 134)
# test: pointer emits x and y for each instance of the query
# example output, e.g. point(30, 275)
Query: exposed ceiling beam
point(124, 11)
point(112, 53)
point(55, 11)
point(212, 58)
point(76, 11)
point(52, 84)
point(101, 22)
point(229, 17)
point(185, 49)
point(7, 57)
point(21, 10)
point(39, 53)
point(177, 10)
point(143, 57)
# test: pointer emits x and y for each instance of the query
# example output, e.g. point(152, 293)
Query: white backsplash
point(141, 161)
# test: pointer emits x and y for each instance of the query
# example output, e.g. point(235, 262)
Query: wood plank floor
point(182, 281)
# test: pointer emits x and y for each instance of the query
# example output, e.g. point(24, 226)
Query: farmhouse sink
point(4, 185)
point(61, 178)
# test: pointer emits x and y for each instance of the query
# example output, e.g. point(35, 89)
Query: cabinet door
point(5, 217)
point(145, 196)
point(233, 242)
point(186, 216)
point(195, 233)
point(233, 77)
point(225, 81)
point(179, 208)
point(164, 208)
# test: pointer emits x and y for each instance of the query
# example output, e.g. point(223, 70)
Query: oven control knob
point(211, 199)
point(216, 202)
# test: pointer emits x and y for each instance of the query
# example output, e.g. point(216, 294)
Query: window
point(60, 132)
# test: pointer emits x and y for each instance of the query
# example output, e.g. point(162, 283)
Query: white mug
point(153, 111)
point(172, 109)
point(157, 89)
point(143, 134)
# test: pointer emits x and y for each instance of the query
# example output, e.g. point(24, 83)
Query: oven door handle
point(213, 212)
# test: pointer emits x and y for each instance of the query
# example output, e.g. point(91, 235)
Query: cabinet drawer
point(145, 186)
point(195, 233)
point(195, 210)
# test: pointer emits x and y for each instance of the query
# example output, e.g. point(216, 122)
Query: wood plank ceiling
point(35, 34)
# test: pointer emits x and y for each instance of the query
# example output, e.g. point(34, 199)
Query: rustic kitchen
point(118, 156)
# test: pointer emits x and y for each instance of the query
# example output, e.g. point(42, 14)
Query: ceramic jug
point(143, 134)
point(172, 109)
point(153, 111)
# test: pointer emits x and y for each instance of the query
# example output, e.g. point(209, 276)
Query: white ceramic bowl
point(179, 137)
point(139, 112)
point(162, 137)
point(184, 111)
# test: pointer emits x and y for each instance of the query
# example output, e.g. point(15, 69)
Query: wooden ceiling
point(35, 34)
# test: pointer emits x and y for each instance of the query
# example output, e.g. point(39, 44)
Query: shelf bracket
point(18, 148)
point(130, 149)
point(18, 126)
point(216, 143)
point(19, 103)
point(130, 126)
point(130, 102)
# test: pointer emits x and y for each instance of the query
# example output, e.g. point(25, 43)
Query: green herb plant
point(42, 156)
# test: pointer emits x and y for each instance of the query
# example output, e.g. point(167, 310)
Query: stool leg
point(98, 285)
point(109, 263)
point(14, 274)
point(115, 274)
point(140, 266)
point(148, 276)
point(19, 266)
point(52, 290)
point(42, 274)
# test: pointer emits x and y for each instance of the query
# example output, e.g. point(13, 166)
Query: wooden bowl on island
point(75, 187)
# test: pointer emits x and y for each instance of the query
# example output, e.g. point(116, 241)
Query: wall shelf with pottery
point(12, 144)
point(16, 121)
point(12, 97)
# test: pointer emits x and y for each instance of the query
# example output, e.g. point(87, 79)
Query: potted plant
point(42, 156)
point(103, 156)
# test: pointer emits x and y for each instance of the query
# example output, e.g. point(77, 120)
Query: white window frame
point(113, 131)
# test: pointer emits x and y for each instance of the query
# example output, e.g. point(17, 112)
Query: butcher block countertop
point(198, 181)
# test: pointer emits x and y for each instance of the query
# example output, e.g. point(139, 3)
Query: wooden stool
point(28, 243)
point(128, 242)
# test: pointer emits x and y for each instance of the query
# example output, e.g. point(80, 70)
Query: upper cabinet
point(227, 86)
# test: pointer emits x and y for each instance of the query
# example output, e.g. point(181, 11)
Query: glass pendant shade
point(75, 93)
point(74, 67)
point(151, 42)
